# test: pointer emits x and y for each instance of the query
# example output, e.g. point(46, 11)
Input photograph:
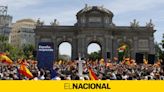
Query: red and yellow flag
point(92, 75)
point(5, 59)
point(25, 71)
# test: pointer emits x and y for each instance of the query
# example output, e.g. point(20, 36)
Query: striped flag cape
point(5, 59)
point(25, 71)
point(92, 75)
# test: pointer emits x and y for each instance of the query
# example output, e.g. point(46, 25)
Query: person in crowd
point(69, 71)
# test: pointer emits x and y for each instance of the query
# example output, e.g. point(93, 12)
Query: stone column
point(115, 46)
point(135, 47)
point(74, 49)
point(84, 52)
point(107, 45)
point(55, 47)
point(54, 42)
point(37, 40)
point(151, 45)
point(111, 47)
point(81, 45)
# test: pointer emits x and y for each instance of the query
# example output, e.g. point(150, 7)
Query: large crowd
point(68, 70)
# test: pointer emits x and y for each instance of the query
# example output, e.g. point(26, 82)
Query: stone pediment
point(94, 9)
point(94, 16)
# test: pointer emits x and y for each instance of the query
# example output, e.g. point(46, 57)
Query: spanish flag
point(92, 75)
point(5, 59)
point(25, 71)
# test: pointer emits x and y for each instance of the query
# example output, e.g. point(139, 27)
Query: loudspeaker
point(139, 58)
point(108, 55)
point(151, 58)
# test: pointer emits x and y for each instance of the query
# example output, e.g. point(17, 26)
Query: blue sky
point(65, 10)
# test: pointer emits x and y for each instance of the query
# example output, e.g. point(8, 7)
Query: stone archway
point(65, 51)
point(89, 28)
point(64, 48)
point(94, 50)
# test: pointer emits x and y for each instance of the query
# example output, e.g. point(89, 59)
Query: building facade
point(5, 21)
point(95, 25)
point(23, 33)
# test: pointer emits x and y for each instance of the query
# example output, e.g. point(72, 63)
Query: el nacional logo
point(96, 86)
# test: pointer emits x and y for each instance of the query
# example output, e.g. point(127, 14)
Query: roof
point(99, 8)
point(26, 20)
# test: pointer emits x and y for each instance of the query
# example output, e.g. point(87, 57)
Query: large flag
point(121, 52)
point(5, 59)
point(92, 75)
point(25, 71)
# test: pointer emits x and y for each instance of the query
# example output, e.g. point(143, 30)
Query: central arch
point(94, 51)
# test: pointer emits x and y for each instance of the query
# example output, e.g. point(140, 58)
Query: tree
point(28, 51)
point(159, 51)
point(15, 53)
point(162, 52)
point(95, 55)
point(64, 57)
point(3, 43)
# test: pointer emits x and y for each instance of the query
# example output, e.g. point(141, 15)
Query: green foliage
point(159, 51)
point(95, 55)
point(64, 57)
point(17, 53)
point(3, 38)
point(28, 51)
point(13, 52)
point(3, 43)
